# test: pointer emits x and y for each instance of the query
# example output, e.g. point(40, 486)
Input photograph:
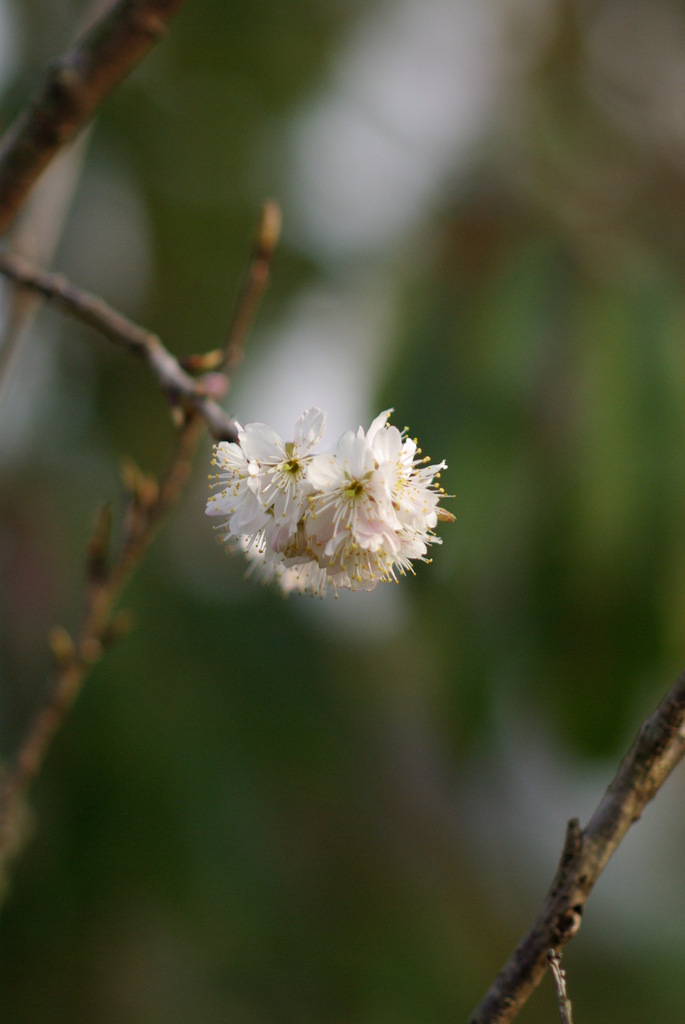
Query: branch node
point(98, 547)
point(559, 976)
point(62, 647)
point(572, 846)
point(151, 25)
point(64, 84)
point(142, 488)
point(268, 230)
point(119, 627)
point(178, 414)
point(214, 385)
point(199, 362)
point(91, 650)
point(568, 923)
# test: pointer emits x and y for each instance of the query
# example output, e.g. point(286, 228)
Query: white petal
point(323, 472)
point(355, 452)
point(262, 443)
point(387, 444)
point(378, 424)
point(309, 429)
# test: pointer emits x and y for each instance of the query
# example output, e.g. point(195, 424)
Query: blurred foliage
point(263, 810)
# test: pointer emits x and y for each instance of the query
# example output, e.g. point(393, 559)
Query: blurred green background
point(272, 810)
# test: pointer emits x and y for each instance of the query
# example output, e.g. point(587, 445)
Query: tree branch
point(106, 579)
point(177, 385)
point(73, 89)
point(148, 502)
point(657, 749)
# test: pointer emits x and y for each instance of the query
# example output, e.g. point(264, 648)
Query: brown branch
point(72, 91)
point(148, 503)
point(180, 388)
point(657, 749)
point(177, 385)
point(100, 626)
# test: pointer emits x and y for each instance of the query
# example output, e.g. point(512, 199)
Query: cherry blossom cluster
point(351, 518)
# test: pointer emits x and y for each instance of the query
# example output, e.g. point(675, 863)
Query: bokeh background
point(347, 811)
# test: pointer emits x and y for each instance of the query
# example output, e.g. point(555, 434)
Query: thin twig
point(253, 284)
point(72, 91)
point(657, 749)
point(148, 502)
point(559, 976)
point(250, 291)
point(99, 627)
point(177, 385)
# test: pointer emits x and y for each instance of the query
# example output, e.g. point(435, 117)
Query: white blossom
point(316, 523)
point(239, 498)
point(283, 484)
